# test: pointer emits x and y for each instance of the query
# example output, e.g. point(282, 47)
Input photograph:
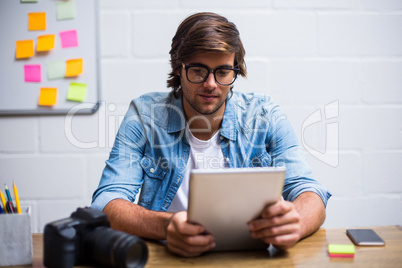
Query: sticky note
point(32, 73)
point(29, 1)
point(77, 92)
point(337, 255)
point(74, 67)
point(56, 69)
point(45, 42)
point(69, 39)
point(341, 249)
point(65, 10)
point(24, 49)
point(36, 21)
point(47, 96)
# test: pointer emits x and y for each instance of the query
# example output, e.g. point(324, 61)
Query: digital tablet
point(225, 200)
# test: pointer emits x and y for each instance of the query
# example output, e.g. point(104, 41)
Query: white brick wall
point(305, 53)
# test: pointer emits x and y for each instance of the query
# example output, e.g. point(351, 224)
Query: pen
point(17, 199)
point(3, 200)
point(10, 207)
point(8, 193)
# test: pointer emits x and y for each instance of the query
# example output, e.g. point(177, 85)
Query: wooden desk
point(310, 252)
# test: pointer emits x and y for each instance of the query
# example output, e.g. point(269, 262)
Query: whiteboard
point(20, 97)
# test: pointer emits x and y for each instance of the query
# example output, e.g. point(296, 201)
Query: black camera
point(87, 239)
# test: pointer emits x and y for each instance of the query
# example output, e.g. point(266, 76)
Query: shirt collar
point(177, 119)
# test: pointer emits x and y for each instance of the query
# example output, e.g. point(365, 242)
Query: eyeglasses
point(198, 74)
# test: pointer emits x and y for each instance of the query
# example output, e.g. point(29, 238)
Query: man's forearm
point(131, 218)
point(312, 212)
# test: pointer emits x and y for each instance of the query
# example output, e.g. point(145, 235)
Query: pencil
point(8, 193)
point(3, 200)
point(17, 199)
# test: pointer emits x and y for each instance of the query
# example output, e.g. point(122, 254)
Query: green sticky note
point(341, 249)
point(29, 1)
point(77, 92)
point(56, 69)
point(65, 10)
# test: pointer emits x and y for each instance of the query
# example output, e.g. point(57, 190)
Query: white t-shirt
point(203, 154)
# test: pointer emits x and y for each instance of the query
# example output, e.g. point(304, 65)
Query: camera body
point(86, 238)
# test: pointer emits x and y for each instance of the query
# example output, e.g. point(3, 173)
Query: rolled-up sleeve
point(122, 176)
point(285, 150)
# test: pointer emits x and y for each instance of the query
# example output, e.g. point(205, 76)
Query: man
point(203, 124)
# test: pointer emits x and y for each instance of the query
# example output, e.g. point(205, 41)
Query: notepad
point(45, 42)
point(36, 21)
point(24, 49)
point(56, 69)
point(69, 39)
point(32, 73)
point(77, 92)
point(47, 96)
point(341, 251)
point(65, 10)
point(74, 67)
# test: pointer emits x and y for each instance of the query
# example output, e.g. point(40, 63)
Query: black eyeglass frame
point(186, 67)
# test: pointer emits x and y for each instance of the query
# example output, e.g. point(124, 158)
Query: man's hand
point(187, 239)
point(279, 225)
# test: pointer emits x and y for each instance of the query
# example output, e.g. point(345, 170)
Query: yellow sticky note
point(74, 67)
point(24, 49)
point(341, 249)
point(77, 92)
point(36, 21)
point(47, 96)
point(45, 42)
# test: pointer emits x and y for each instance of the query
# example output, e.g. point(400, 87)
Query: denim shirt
point(151, 150)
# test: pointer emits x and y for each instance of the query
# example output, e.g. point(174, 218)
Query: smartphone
point(365, 237)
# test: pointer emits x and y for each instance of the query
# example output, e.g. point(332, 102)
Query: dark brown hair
point(203, 32)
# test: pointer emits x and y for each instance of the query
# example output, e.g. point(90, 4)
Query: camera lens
point(113, 248)
point(129, 251)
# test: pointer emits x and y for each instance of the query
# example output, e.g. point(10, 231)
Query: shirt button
point(152, 170)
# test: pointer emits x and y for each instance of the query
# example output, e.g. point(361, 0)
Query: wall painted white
point(345, 56)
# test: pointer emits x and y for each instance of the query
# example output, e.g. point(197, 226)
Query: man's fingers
point(179, 224)
point(191, 246)
point(276, 231)
point(187, 239)
point(279, 208)
point(283, 241)
point(263, 223)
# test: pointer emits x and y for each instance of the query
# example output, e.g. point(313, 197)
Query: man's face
point(208, 97)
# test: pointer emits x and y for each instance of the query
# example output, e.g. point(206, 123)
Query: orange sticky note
point(36, 21)
point(45, 42)
point(74, 67)
point(24, 49)
point(47, 96)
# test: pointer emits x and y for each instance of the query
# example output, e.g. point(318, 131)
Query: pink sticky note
point(32, 73)
point(69, 39)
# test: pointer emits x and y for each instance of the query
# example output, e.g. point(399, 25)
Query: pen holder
point(16, 238)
